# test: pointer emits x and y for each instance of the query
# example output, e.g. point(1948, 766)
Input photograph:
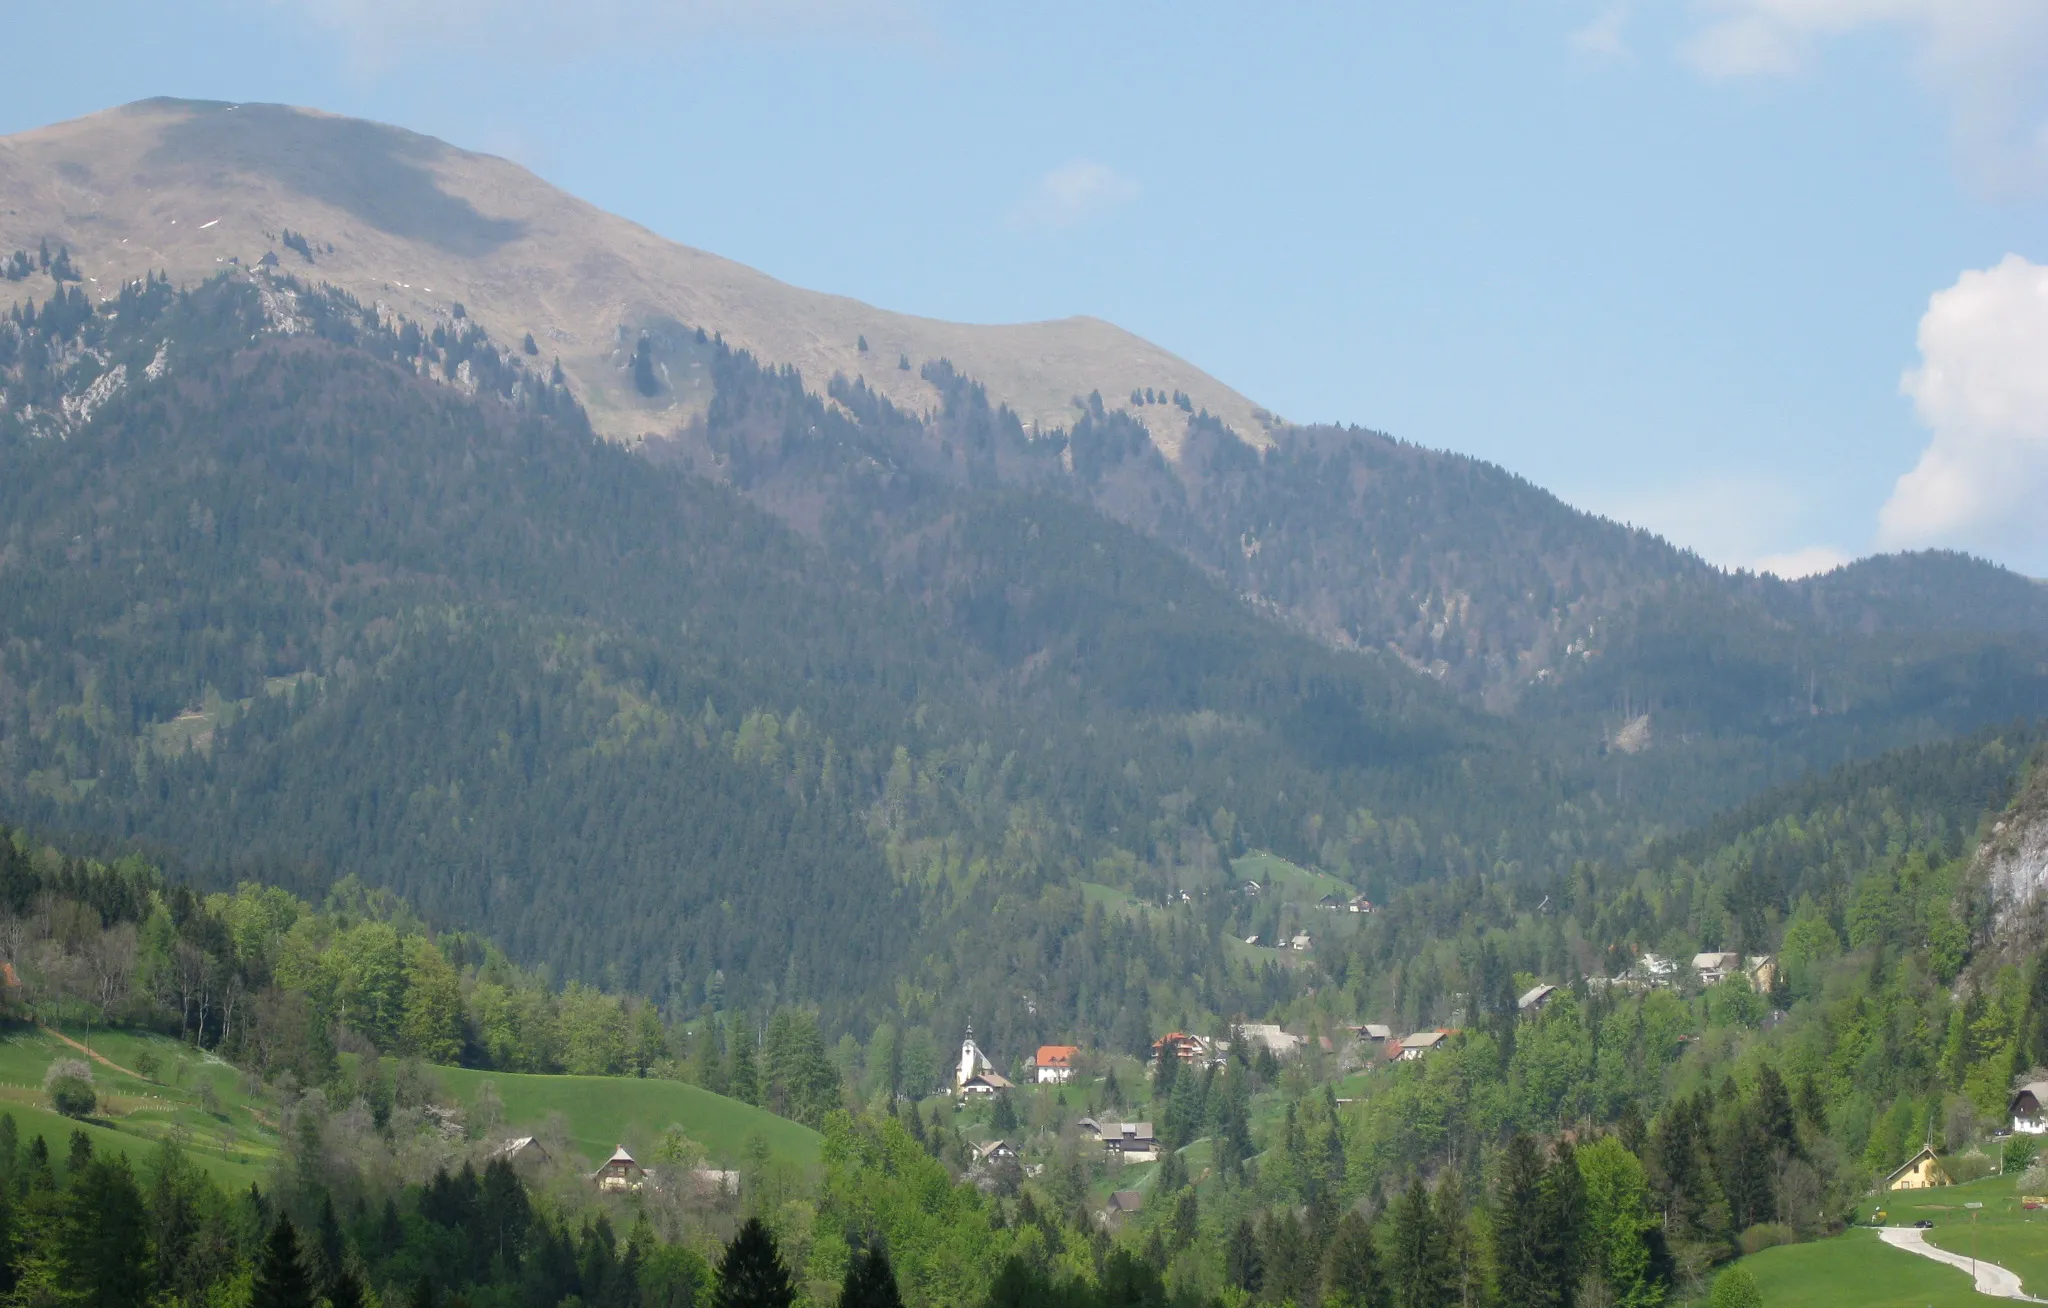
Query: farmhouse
point(1713, 967)
point(1376, 1032)
point(522, 1151)
point(984, 1083)
point(619, 1172)
point(2025, 1108)
point(1422, 1042)
point(1134, 1141)
point(1266, 1035)
point(993, 1151)
point(1763, 972)
point(1535, 999)
point(1922, 1171)
point(1054, 1064)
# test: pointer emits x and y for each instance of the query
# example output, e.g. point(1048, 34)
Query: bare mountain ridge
point(190, 187)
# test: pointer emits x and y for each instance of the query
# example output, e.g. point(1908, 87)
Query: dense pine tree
point(1352, 1277)
point(281, 1280)
point(870, 1280)
point(751, 1274)
point(1419, 1267)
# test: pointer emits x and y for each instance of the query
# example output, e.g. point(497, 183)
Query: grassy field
point(231, 1137)
point(1295, 884)
point(1856, 1270)
point(2006, 1234)
point(605, 1112)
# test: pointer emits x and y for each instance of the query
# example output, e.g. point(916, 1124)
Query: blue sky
point(1736, 270)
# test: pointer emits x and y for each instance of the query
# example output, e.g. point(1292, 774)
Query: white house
point(2025, 1107)
point(1054, 1064)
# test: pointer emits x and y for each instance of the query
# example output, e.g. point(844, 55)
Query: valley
point(570, 700)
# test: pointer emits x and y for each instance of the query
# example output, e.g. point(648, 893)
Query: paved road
point(1991, 1278)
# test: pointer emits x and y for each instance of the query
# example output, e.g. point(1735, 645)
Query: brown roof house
point(1534, 1001)
point(1133, 1140)
point(1422, 1042)
point(522, 1151)
point(619, 1172)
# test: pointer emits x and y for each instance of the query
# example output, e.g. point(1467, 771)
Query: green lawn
point(235, 1144)
point(1856, 1270)
point(604, 1112)
point(1296, 884)
point(2006, 1234)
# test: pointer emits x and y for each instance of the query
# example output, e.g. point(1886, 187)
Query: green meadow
point(602, 1112)
point(194, 1096)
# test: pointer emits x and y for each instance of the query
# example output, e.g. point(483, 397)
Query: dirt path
point(93, 1055)
point(1992, 1279)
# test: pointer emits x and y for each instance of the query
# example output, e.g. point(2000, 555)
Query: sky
point(1769, 277)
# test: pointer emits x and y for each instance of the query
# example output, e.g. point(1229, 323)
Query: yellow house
point(1920, 1172)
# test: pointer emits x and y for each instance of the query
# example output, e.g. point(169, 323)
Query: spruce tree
point(1421, 1271)
point(1520, 1267)
point(1563, 1210)
point(870, 1281)
point(1351, 1268)
point(1290, 1264)
point(281, 1280)
point(751, 1274)
point(345, 1291)
point(105, 1236)
point(1242, 1264)
point(1775, 1113)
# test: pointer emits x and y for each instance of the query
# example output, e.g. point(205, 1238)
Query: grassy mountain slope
point(604, 1112)
point(180, 186)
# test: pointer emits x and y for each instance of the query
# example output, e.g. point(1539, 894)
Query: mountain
point(187, 187)
point(296, 589)
point(811, 687)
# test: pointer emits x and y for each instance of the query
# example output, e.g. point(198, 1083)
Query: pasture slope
point(603, 1112)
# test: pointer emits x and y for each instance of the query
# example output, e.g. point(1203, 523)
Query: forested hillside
point(297, 587)
point(276, 601)
point(1618, 1144)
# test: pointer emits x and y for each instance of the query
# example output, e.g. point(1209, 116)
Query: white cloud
point(1982, 391)
point(1077, 189)
point(1808, 562)
point(1987, 60)
point(380, 34)
point(1606, 37)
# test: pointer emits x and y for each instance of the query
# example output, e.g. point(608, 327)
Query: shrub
point(69, 1085)
point(1968, 1167)
point(1736, 1288)
point(2019, 1153)
point(1765, 1234)
point(2035, 1179)
point(147, 1065)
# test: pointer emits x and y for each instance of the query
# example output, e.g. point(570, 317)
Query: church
point(976, 1075)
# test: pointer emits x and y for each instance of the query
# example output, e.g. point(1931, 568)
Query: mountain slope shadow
point(379, 174)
